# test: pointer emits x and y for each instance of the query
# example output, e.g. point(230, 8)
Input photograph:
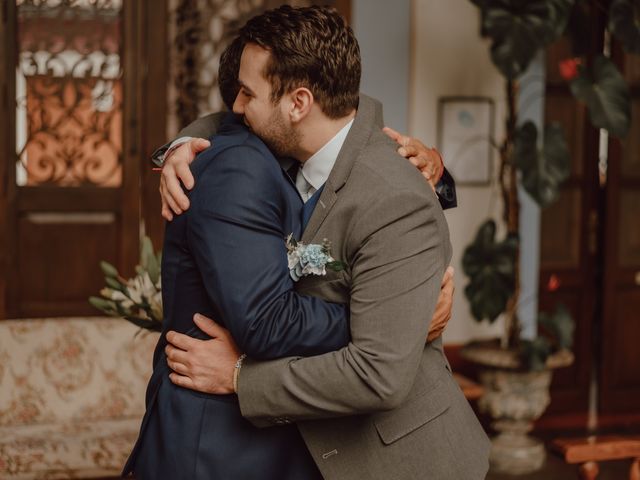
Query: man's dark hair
point(228, 72)
point(310, 47)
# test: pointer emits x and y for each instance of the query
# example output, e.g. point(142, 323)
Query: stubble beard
point(282, 139)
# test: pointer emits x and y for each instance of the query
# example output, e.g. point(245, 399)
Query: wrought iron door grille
point(69, 93)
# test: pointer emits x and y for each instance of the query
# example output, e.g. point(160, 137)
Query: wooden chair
point(588, 451)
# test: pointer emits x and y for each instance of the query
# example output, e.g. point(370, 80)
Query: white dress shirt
point(316, 170)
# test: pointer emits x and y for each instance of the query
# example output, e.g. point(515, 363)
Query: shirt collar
point(316, 170)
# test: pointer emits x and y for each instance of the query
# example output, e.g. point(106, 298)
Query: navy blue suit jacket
point(226, 258)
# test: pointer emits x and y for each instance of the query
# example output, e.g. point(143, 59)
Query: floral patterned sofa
point(71, 396)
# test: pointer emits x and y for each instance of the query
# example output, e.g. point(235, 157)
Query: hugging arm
point(175, 164)
point(235, 233)
point(203, 127)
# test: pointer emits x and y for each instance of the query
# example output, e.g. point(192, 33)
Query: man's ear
point(301, 103)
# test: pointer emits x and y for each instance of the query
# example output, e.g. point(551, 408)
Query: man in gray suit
point(386, 406)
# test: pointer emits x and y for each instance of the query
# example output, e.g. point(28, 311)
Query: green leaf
point(520, 28)
point(490, 266)
point(606, 94)
point(113, 283)
point(560, 326)
point(534, 353)
point(106, 306)
point(122, 312)
point(108, 269)
point(336, 265)
point(624, 23)
point(149, 260)
point(543, 171)
point(152, 325)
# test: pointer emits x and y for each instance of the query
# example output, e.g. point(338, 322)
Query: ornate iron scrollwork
point(69, 93)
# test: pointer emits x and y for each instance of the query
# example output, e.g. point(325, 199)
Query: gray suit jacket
point(386, 406)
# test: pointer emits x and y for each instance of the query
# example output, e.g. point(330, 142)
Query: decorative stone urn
point(514, 398)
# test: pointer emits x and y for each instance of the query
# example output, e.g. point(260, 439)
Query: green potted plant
point(515, 372)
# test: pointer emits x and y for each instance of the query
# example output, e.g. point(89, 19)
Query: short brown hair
point(228, 72)
point(310, 47)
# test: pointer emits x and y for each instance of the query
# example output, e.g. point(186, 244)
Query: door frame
point(7, 143)
point(144, 127)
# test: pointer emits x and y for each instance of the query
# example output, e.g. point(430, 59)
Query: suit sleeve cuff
point(246, 383)
point(160, 155)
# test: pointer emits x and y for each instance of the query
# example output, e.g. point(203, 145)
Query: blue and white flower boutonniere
point(312, 259)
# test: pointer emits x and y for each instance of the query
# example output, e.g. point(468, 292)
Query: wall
point(383, 31)
point(416, 51)
point(530, 107)
point(450, 59)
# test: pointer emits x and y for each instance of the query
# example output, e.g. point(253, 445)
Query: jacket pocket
point(332, 287)
point(418, 411)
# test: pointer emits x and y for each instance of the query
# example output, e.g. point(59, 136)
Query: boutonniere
point(312, 259)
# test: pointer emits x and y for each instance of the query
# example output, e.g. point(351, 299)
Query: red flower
point(569, 68)
point(554, 283)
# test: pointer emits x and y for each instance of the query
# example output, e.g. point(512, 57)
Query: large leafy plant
point(518, 30)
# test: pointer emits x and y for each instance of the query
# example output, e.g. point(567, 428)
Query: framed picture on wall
point(465, 130)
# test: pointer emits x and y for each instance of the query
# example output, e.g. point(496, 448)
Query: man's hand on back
point(442, 314)
point(427, 160)
point(203, 365)
point(175, 170)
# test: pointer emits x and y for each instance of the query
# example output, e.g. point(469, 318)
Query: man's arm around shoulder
point(203, 127)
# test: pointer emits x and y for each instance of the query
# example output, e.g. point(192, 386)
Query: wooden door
point(590, 247)
point(71, 136)
point(569, 244)
point(620, 334)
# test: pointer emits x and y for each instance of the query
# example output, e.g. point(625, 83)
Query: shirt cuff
point(175, 144)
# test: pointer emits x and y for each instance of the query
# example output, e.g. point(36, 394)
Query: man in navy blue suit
point(226, 258)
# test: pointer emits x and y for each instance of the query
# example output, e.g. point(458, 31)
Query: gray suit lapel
point(368, 117)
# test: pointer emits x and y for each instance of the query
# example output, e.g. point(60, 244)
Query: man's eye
point(245, 93)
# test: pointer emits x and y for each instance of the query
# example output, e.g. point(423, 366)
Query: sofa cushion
point(72, 369)
point(79, 449)
point(71, 396)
